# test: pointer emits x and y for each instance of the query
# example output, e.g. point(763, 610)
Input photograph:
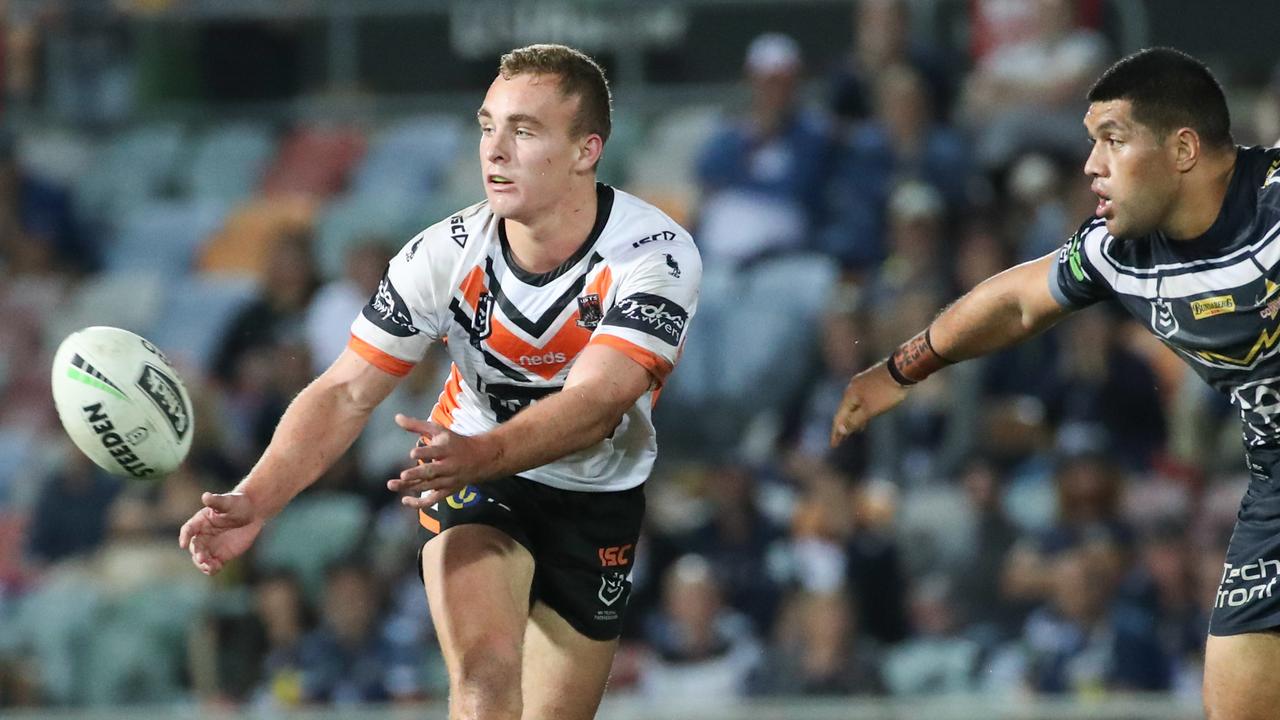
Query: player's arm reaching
point(602, 384)
point(319, 425)
point(1002, 311)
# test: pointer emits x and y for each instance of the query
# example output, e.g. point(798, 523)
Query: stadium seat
point(56, 155)
point(664, 173)
point(56, 623)
point(315, 161)
point(411, 156)
point(229, 161)
point(16, 448)
point(931, 666)
point(125, 299)
point(390, 215)
point(248, 235)
point(163, 236)
point(133, 166)
point(195, 316)
point(313, 532)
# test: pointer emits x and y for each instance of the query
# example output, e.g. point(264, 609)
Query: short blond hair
point(579, 76)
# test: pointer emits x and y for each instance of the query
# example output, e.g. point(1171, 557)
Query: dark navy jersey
point(1215, 300)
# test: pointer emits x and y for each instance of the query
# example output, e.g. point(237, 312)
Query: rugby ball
point(121, 402)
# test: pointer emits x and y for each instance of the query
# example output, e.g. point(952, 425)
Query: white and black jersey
point(513, 335)
point(1213, 299)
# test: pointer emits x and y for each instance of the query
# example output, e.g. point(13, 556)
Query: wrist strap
point(915, 360)
point(896, 374)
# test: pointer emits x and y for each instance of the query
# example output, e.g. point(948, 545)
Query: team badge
point(482, 323)
point(589, 312)
point(1163, 321)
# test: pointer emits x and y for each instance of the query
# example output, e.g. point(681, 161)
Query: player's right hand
point(870, 393)
point(221, 530)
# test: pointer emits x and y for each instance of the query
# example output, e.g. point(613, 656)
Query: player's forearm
point(318, 427)
point(563, 423)
point(1000, 312)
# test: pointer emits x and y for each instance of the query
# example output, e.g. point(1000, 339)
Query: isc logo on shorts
point(1255, 572)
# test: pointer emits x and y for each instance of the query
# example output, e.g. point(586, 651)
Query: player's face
point(527, 158)
point(1133, 172)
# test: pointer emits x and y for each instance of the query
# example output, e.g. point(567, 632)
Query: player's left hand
point(447, 463)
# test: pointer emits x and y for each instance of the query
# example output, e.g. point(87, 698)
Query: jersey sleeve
point(402, 317)
point(652, 307)
point(1075, 281)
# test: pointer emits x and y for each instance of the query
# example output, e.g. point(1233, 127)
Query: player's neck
point(1200, 203)
point(541, 244)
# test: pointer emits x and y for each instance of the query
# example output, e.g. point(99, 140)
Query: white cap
point(772, 52)
point(914, 200)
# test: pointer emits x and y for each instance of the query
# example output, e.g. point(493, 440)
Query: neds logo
point(551, 358)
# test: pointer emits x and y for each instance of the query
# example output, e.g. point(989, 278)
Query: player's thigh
point(565, 672)
point(477, 581)
point(1240, 674)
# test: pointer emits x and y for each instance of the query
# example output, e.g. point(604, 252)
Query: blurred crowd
point(1051, 519)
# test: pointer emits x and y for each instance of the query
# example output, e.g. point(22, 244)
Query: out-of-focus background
point(1038, 533)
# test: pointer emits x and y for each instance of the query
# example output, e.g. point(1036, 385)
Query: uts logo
point(650, 314)
point(589, 312)
point(164, 392)
point(612, 586)
point(1163, 321)
point(388, 311)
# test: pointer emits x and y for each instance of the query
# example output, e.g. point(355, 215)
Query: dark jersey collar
point(604, 206)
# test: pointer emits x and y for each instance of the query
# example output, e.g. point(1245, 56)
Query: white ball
point(122, 403)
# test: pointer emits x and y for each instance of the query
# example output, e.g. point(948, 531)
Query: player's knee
point(489, 669)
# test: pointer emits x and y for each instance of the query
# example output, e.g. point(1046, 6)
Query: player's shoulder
point(638, 230)
point(449, 238)
point(1263, 167)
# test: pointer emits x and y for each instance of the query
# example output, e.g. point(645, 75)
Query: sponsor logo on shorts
point(614, 556)
point(166, 396)
point(1262, 574)
point(650, 314)
point(465, 497)
point(387, 310)
point(113, 442)
point(612, 587)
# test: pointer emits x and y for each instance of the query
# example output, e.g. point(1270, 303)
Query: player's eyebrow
point(514, 119)
point(1108, 126)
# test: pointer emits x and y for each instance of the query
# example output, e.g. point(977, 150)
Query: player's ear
point(1186, 148)
point(590, 148)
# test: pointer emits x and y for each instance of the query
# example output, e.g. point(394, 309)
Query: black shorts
point(582, 543)
point(1248, 598)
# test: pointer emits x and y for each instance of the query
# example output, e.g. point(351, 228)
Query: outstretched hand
point(221, 530)
point(870, 393)
point(446, 462)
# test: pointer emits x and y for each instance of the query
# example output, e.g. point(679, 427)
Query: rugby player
point(563, 304)
point(1186, 237)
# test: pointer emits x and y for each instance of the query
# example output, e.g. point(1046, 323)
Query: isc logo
point(614, 556)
